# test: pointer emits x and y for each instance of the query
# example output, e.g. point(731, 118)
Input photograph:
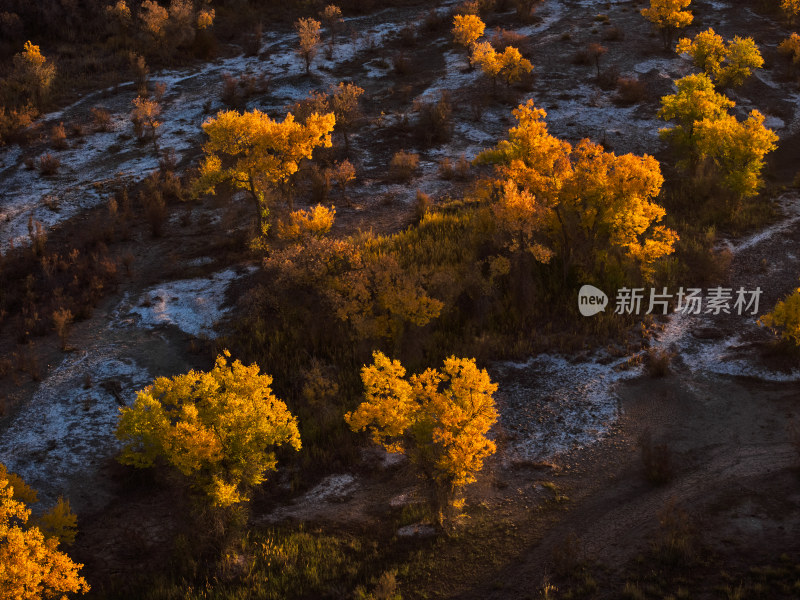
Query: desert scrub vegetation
point(403, 165)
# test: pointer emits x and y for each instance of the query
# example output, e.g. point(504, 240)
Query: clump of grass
point(403, 165)
point(673, 544)
point(49, 164)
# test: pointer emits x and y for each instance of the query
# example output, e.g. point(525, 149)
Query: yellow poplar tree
point(219, 427)
point(512, 65)
point(440, 418)
point(254, 153)
point(785, 318)
point(31, 566)
point(695, 100)
point(729, 63)
point(668, 16)
point(790, 48)
point(791, 8)
point(33, 74)
point(508, 65)
point(705, 131)
point(467, 29)
point(582, 204)
point(309, 37)
point(737, 150)
point(707, 50)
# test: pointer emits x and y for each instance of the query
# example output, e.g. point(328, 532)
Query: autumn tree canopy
point(582, 204)
point(729, 63)
point(508, 65)
point(308, 33)
point(32, 76)
point(254, 153)
point(668, 16)
point(440, 417)
point(785, 318)
point(467, 29)
point(220, 428)
point(31, 565)
point(706, 133)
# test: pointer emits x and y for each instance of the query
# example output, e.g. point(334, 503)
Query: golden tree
point(695, 100)
point(508, 65)
point(785, 318)
point(467, 29)
point(790, 8)
point(729, 63)
point(33, 75)
point(254, 153)
point(706, 132)
point(308, 34)
point(737, 150)
point(440, 418)
point(219, 427)
point(668, 16)
point(144, 117)
point(512, 65)
point(31, 565)
point(332, 15)
point(583, 204)
point(154, 19)
point(343, 101)
point(790, 48)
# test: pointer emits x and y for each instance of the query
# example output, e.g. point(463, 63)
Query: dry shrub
point(401, 64)
point(407, 36)
point(49, 164)
point(607, 79)
point(252, 44)
point(462, 167)
point(656, 459)
point(14, 125)
point(630, 91)
point(582, 57)
point(61, 321)
point(155, 210)
point(434, 22)
point(657, 362)
point(434, 119)
point(58, 137)
point(502, 38)
point(446, 170)
point(422, 204)
point(613, 34)
point(343, 173)
point(320, 183)
point(140, 71)
point(101, 119)
point(403, 165)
